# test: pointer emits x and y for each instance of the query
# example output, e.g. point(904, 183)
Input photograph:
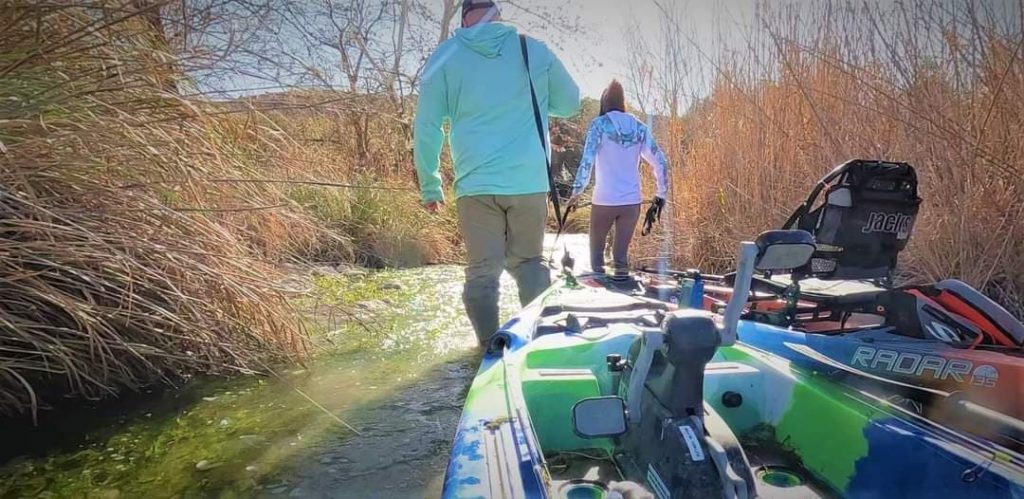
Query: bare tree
point(672, 80)
point(451, 7)
point(640, 69)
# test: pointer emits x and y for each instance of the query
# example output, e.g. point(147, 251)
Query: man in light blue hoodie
point(477, 83)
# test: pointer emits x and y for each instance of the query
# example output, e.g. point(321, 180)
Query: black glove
point(660, 204)
point(653, 215)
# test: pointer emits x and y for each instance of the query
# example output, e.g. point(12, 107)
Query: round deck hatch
point(583, 489)
point(779, 477)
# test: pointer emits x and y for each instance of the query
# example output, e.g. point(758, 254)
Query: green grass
point(387, 228)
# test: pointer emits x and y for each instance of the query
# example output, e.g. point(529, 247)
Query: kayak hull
point(991, 379)
point(841, 441)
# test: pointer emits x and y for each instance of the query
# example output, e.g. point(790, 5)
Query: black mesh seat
point(863, 223)
point(860, 226)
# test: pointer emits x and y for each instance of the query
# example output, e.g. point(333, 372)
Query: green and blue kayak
point(591, 389)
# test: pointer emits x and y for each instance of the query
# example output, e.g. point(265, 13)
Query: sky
point(589, 36)
point(599, 53)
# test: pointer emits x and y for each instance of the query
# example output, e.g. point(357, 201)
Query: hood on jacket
point(486, 39)
point(625, 128)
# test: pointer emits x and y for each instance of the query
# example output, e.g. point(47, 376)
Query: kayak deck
point(804, 435)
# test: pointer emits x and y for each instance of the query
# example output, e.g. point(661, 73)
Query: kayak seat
point(864, 222)
point(837, 296)
point(814, 290)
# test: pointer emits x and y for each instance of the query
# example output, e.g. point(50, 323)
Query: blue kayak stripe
point(907, 461)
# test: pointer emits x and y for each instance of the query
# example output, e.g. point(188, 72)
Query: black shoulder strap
point(543, 141)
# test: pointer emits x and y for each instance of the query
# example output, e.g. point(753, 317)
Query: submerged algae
point(398, 375)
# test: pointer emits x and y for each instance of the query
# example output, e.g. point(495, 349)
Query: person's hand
point(433, 206)
point(659, 202)
point(628, 490)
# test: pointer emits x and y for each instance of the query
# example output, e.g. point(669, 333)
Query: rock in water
point(391, 286)
point(349, 270)
point(205, 465)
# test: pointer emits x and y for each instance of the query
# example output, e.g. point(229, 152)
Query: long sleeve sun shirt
point(615, 143)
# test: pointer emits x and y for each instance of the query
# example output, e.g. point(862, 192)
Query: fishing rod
point(652, 216)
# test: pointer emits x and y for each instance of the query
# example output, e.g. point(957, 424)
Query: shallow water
point(372, 416)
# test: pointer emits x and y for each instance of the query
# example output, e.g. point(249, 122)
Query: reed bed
point(933, 83)
point(141, 228)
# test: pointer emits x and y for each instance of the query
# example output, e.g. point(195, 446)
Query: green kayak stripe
point(820, 422)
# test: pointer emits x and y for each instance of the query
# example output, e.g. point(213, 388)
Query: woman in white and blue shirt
point(615, 143)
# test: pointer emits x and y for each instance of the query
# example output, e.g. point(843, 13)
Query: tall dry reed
point(136, 223)
point(933, 83)
point(113, 277)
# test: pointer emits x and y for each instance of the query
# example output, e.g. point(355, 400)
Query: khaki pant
point(502, 232)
